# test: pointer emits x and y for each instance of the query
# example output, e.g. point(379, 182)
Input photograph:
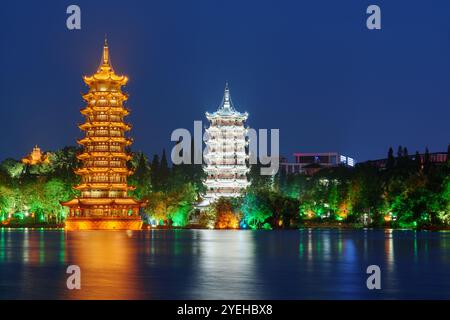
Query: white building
point(226, 155)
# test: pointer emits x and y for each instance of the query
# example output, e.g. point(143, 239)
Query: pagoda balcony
point(92, 110)
point(233, 169)
point(104, 148)
point(105, 133)
point(106, 118)
point(102, 124)
point(103, 164)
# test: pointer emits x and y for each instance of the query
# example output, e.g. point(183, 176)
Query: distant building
point(36, 157)
point(310, 163)
point(435, 157)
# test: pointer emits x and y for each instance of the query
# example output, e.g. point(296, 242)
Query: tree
point(390, 160)
point(12, 167)
point(258, 181)
point(417, 162)
point(426, 161)
point(164, 172)
point(155, 173)
point(399, 152)
point(255, 211)
point(448, 155)
point(55, 190)
point(226, 217)
point(141, 178)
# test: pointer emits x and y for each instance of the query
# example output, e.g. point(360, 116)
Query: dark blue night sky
point(310, 68)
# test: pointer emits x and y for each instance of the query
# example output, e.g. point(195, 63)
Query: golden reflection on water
point(108, 263)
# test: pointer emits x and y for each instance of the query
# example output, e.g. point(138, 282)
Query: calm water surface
point(208, 264)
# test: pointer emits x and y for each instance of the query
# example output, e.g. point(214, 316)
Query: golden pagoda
point(104, 201)
point(36, 157)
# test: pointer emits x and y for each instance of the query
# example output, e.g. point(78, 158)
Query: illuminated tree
point(255, 212)
point(226, 217)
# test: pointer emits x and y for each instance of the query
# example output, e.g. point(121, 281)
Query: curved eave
point(112, 95)
point(125, 141)
point(227, 115)
point(90, 170)
point(88, 155)
point(103, 186)
point(80, 202)
point(105, 76)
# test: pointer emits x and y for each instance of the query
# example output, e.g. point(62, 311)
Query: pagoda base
point(103, 224)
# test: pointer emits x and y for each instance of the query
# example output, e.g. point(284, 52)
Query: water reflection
point(26, 246)
point(224, 258)
point(108, 263)
point(2, 245)
point(389, 249)
point(207, 264)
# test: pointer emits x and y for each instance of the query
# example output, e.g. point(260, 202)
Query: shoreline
point(324, 226)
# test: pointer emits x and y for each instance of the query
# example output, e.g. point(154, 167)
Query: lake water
point(208, 264)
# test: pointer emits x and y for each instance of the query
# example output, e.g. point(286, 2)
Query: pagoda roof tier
point(96, 124)
point(96, 109)
point(221, 129)
point(220, 168)
point(105, 95)
point(86, 140)
point(105, 154)
point(106, 77)
point(224, 183)
point(226, 109)
point(91, 170)
point(220, 143)
point(104, 186)
point(105, 72)
point(217, 194)
point(232, 116)
point(223, 154)
point(80, 202)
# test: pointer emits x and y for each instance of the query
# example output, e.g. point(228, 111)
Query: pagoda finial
point(105, 57)
point(226, 97)
point(105, 64)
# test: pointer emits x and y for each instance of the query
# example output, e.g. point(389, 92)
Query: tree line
point(407, 193)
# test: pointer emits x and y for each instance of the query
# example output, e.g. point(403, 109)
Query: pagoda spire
point(226, 103)
point(105, 64)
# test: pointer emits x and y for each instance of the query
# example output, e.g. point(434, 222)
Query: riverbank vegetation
point(407, 193)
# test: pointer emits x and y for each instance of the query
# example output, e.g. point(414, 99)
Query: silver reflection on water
point(225, 265)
